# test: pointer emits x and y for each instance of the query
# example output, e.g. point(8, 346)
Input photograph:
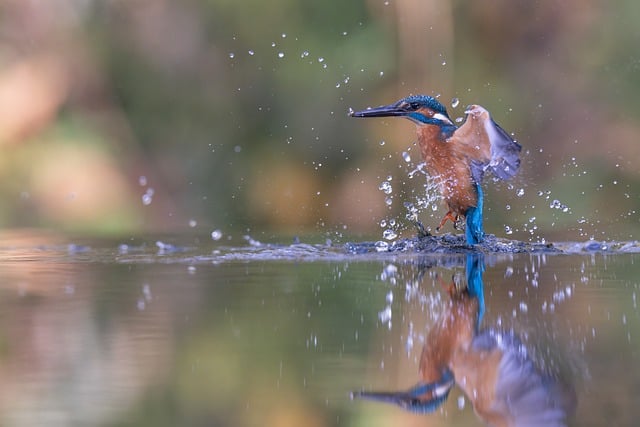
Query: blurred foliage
point(234, 113)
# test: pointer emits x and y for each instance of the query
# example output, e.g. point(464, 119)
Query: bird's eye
point(414, 105)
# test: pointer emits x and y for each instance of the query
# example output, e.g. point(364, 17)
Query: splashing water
point(556, 204)
point(414, 202)
point(147, 197)
point(412, 211)
point(418, 169)
point(381, 246)
point(386, 187)
point(389, 234)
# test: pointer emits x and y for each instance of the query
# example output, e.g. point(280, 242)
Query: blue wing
point(505, 152)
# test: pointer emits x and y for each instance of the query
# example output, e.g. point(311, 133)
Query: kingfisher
point(457, 157)
point(491, 367)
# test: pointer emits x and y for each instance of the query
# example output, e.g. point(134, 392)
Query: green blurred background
point(143, 115)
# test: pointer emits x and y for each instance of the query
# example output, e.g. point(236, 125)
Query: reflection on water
point(94, 333)
point(493, 368)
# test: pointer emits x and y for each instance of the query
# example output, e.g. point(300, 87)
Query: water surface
point(182, 331)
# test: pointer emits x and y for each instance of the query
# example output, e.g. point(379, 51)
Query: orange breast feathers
point(450, 336)
point(449, 162)
point(449, 344)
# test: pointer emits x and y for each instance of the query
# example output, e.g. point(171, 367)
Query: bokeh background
point(145, 115)
point(128, 117)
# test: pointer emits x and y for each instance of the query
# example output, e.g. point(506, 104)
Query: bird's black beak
point(393, 110)
point(397, 398)
point(424, 398)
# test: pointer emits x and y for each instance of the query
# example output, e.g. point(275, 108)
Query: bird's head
point(420, 109)
point(423, 398)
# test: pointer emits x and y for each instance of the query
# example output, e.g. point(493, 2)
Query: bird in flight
point(457, 157)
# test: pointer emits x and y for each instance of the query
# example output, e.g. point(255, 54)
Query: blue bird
point(492, 368)
point(457, 157)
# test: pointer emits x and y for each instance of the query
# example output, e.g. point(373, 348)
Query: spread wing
point(486, 146)
point(505, 152)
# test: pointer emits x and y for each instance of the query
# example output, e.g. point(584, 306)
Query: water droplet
point(389, 297)
point(232, 55)
point(304, 54)
point(381, 73)
point(280, 54)
point(524, 307)
point(284, 36)
point(406, 156)
point(388, 201)
point(146, 291)
point(147, 197)
point(193, 223)
point(455, 102)
point(383, 223)
point(520, 192)
point(461, 402)
point(382, 143)
point(508, 230)
point(337, 85)
point(321, 59)
point(142, 180)
point(381, 246)
point(385, 315)
point(216, 235)
point(251, 53)
point(389, 272)
point(386, 187)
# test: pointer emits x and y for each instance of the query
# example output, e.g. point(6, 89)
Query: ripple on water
point(253, 250)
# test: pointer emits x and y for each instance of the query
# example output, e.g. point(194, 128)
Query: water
point(189, 331)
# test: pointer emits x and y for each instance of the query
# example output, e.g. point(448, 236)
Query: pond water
point(186, 331)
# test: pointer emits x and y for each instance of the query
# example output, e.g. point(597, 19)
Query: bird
point(457, 157)
point(492, 367)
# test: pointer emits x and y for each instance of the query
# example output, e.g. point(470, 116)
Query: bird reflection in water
point(492, 368)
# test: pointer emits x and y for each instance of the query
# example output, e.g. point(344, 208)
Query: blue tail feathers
point(474, 231)
point(475, 284)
